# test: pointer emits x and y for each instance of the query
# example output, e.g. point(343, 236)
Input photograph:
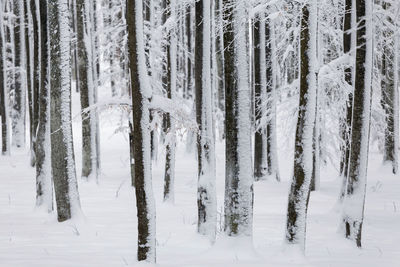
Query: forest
point(199, 132)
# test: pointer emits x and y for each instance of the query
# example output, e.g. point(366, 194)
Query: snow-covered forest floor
point(106, 233)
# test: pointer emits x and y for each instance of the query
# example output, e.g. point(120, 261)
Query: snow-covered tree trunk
point(19, 107)
point(271, 99)
point(353, 212)
point(345, 127)
point(44, 190)
point(3, 91)
point(87, 89)
point(238, 168)
point(303, 154)
point(62, 150)
point(206, 192)
point(259, 80)
point(35, 78)
point(141, 92)
point(28, 77)
point(388, 90)
point(169, 124)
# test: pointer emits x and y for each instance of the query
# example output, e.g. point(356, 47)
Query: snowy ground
point(106, 235)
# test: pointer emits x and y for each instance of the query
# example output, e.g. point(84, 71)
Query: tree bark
point(353, 212)
point(62, 150)
point(44, 190)
point(141, 134)
point(303, 155)
point(206, 193)
point(3, 91)
point(18, 117)
point(238, 168)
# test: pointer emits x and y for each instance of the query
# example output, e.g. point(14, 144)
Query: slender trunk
point(300, 188)
point(3, 91)
point(388, 93)
point(140, 94)
point(169, 175)
point(87, 88)
point(44, 190)
point(353, 212)
point(238, 168)
point(346, 122)
point(272, 147)
point(18, 117)
point(36, 78)
point(260, 157)
point(62, 150)
point(206, 193)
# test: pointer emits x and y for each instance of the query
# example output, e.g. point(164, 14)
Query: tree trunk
point(140, 94)
point(87, 91)
point(62, 150)
point(44, 190)
point(169, 175)
point(18, 117)
point(353, 212)
point(3, 91)
point(303, 155)
point(388, 93)
point(35, 80)
point(260, 153)
point(206, 193)
point(238, 168)
point(272, 147)
point(346, 122)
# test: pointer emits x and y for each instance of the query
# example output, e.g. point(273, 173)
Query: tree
point(303, 154)
point(44, 188)
point(206, 193)
point(353, 212)
point(260, 142)
point(36, 78)
point(346, 123)
point(170, 85)
point(270, 84)
point(238, 167)
point(18, 117)
point(87, 87)
point(3, 91)
point(388, 101)
point(62, 150)
point(141, 92)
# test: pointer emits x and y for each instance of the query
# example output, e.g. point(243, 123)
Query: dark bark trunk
point(141, 139)
point(300, 188)
point(43, 183)
point(63, 163)
point(3, 95)
point(18, 118)
point(388, 94)
point(346, 123)
point(260, 167)
point(356, 184)
point(36, 78)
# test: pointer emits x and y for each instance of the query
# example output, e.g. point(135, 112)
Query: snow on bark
point(239, 171)
point(206, 191)
point(3, 91)
point(62, 151)
point(88, 88)
point(169, 178)
point(141, 92)
point(303, 158)
point(272, 147)
point(19, 103)
point(44, 187)
point(353, 208)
